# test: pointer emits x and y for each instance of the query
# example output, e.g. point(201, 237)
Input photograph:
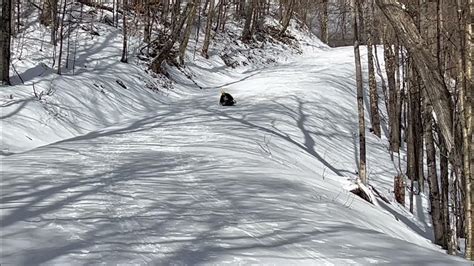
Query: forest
point(412, 66)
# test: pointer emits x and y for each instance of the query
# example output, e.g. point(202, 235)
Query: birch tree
point(360, 95)
point(468, 136)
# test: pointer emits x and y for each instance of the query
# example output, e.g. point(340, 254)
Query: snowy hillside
point(96, 172)
point(97, 90)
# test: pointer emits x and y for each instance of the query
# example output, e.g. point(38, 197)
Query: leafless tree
point(360, 95)
point(5, 40)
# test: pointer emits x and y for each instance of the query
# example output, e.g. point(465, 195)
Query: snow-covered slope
point(190, 182)
point(48, 107)
point(96, 90)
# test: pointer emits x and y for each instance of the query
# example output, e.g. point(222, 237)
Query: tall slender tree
point(374, 99)
point(247, 31)
point(124, 58)
point(434, 194)
point(360, 95)
point(5, 41)
point(468, 135)
point(287, 17)
point(61, 37)
point(207, 35)
point(187, 31)
point(325, 22)
point(391, 66)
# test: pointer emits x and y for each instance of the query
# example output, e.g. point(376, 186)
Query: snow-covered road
point(196, 183)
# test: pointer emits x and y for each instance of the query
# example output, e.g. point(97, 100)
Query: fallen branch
point(380, 195)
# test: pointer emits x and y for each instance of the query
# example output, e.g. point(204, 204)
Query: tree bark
point(220, 11)
point(207, 35)
point(324, 22)
point(247, 33)
point(124, 58)
point(412, 155)
point(374, 98)
point(5, 41)
point(360, 96)
point(393, 92)
point(287, 17)
point(224, 17)
point(468, 127)
point(148, 20)
point(444, 178)
point(434, 194)
point(61, 32)
point(18, 16)
point(187, 31)
point(53, 9)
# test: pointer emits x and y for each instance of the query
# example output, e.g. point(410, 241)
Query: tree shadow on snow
point(192, 185)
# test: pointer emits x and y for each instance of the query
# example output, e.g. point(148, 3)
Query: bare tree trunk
point(343, 19)
point(18, 16)
point(444, 178)
point(68, 38)
point(412, 157)
point(360, 96)
point(224, 16)
point(425, 65)
point(324, 22)
point(400, 88)
point(394, 112)
point(374, 99)
point(45, 16)
point(287, 17)
point(54, 18)
point(114, 12)
point(187, 31)
point(439, 36)
point(247, 33)
point(124, 58)
point(256, 21)
point(219, 15)
point(5, 41)
point(148, 20)
point(434, 195)
point(175, 13)
point(207, 36)
point(61, 32)
point(468, 127)
point(454, 212)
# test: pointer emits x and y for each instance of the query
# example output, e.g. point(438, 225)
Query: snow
point(135, 176)
point(74, 103)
